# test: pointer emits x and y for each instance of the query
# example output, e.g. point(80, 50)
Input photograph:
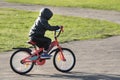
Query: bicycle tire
point(61, 68)
point(13, 64)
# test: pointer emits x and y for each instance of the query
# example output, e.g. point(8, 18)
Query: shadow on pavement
point(78, 76)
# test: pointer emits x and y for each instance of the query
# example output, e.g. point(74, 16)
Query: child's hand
point(61, 28)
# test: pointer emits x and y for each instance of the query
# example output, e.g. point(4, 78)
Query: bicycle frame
point(56, 43)
point(37, 50)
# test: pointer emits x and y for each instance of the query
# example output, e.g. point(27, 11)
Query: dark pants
point(42, 42)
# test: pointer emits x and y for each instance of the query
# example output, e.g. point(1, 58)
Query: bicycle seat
point(31, 42)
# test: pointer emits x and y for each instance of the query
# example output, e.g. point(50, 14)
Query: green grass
point(95, 4)
point(15, 26)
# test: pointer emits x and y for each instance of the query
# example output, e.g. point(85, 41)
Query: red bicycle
point(23, 60)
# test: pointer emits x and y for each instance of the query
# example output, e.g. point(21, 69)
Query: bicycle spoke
point(67, 64)
point(18, 64)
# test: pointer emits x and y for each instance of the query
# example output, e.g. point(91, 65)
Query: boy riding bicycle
point(37, 32)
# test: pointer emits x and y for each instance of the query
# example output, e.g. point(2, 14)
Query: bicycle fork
point(56, 43)
point(62, 57)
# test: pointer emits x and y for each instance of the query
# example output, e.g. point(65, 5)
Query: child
point(39, 28)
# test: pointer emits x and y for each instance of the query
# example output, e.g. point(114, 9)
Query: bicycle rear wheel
point(68, 64)
point(16, 61)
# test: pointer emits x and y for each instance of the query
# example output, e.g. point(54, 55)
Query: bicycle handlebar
point(61, 30)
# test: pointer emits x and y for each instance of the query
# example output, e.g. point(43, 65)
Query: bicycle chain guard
point(40, 62)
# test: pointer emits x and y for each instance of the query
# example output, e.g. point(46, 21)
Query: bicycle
point(23, 60)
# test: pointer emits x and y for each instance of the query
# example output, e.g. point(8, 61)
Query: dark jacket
point(41, 24)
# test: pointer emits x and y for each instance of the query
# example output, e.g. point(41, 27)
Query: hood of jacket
point(46, 13)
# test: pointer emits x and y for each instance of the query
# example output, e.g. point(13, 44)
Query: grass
point(15, 26)
point(95, 4)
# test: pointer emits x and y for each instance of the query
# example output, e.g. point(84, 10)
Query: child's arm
point(47, 26)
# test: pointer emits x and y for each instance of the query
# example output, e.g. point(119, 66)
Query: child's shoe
point(45, 56)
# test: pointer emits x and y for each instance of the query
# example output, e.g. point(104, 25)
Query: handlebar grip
point(61, 27)
point(61, 30)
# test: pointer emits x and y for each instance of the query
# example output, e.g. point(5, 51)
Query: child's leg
point(44, 42)
point(47, 42)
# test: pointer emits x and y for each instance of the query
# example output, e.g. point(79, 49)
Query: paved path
point(79, 12)
point(96, 59)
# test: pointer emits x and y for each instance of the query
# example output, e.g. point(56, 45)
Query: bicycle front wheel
point(16, 61)
point(68, 64)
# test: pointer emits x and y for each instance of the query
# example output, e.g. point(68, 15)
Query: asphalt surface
point(96, 59)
